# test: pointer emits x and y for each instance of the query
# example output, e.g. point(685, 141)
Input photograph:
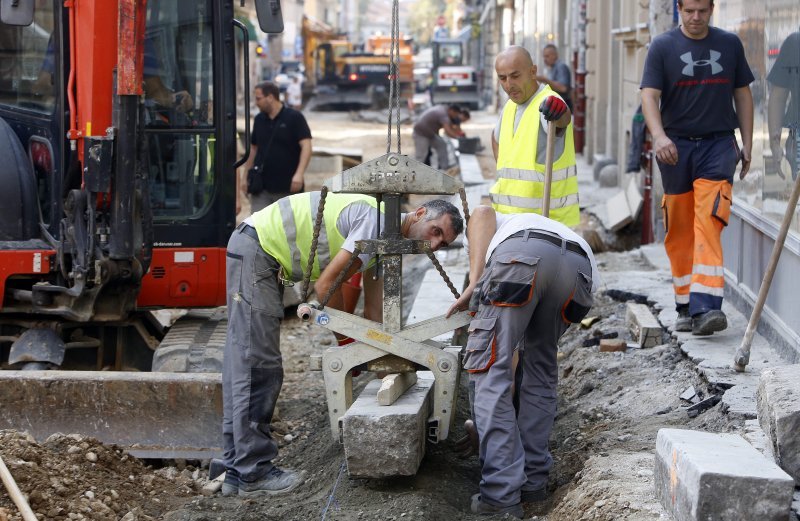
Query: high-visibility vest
point(286, 228)
point(521, 162)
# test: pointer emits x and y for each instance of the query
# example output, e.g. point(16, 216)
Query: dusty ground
point(611, 405)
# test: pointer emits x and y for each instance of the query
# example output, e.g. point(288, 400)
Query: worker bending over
point(270, 247)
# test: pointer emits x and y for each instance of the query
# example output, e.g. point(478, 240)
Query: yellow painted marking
point(673, 475)
point(380, 336)
point(88, 128)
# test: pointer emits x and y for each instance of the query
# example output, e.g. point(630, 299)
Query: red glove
point(553, 108)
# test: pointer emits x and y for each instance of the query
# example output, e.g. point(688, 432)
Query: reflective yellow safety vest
point(521, 162)
point(286, 228)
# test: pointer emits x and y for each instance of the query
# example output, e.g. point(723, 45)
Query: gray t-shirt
point(431, 121)
point(696, 79)
point(786, 74)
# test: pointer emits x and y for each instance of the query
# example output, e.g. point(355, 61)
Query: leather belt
point(572, 246)
point(249, 230)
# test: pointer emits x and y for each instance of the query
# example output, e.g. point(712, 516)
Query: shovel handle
point(548, 167)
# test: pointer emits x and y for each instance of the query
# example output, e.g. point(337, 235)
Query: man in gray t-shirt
point(426, 133)
point(557, 74)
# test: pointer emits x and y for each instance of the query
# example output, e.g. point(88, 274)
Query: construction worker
point(512, 310)
point(426, 133)
point(691, 74)
point(519, 143)
point(268, 249)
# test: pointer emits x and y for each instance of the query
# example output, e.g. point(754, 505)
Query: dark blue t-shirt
point(696, 79)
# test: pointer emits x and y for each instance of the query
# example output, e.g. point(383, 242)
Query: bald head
point(517, 73)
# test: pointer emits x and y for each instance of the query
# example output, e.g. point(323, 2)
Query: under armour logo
point(713, 61)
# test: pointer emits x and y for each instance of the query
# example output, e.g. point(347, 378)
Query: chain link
point(439, 268)
point(394, 81)
point(463, 193)
point(314, 240)
point(340, 277)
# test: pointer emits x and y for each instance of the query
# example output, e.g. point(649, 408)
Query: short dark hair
point(435, 208)
point(680, 3)
point(268, 88)
point(465, 114)
point(552, 46)
point(454, 107)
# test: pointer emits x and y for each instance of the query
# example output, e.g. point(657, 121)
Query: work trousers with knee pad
point(696, 208)
point(531, 290)
point(252, 369)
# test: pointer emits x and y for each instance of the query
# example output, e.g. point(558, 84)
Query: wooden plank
point(393, 387)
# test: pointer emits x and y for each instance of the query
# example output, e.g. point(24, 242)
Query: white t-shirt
point(509, 224)
point(294, 94)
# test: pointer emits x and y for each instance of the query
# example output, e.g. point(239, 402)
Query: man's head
point(550, 54)
point(517, 74)
point(454, 112)
point(267, 94)
point(465, 115)
point(437, 221)
point(695, 17)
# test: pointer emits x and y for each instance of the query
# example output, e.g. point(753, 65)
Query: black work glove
point(553, 108)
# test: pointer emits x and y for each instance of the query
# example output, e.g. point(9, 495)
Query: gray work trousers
point(531, 290)
point(423, 146)
point(252, 369)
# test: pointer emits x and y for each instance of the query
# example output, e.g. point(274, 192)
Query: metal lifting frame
point(391, 347)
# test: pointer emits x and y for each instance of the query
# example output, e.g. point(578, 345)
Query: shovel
point(742, 357)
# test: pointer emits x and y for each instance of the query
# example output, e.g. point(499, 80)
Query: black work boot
point(684, 321)
point(709, 322)
point(478, 506)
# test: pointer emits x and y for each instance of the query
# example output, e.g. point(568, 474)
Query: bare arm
point(743, 101)
point(776, 108)
point(665, 149)
point(555, 85)
point(328, 277)
point(305, 157)
point(452, 131)
point(481, 229)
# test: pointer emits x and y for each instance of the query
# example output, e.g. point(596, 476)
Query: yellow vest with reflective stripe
point(521, 162)
point(286, 228)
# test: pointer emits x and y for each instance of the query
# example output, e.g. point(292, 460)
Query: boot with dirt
point(478, 506)
point(230, 487)
point(684, 321)
point(709, 322)
point(276, 481)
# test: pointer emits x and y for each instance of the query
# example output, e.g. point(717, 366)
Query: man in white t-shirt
point(538, 280)
point(294, 94)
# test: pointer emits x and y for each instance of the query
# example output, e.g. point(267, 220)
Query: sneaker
point(479, 507)
point(684, 321)
point(709, 322)
point(276, 481)
point(534, 496)
point(230, 487)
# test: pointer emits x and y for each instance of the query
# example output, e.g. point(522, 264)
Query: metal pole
point(742, 357)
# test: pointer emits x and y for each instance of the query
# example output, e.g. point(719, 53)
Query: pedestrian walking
point(538, 280)
point(695, 93)
point(280, 149)
point(519, 143)
point(264, 253)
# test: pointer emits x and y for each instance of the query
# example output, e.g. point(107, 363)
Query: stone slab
point(701, 475)
point(384, 441)
point(470, 169)
point(634, 197)
point(618, 213)
point(393, 386)
point(778, 399)
point(740, 400)
point(756, 436)
point(644, 327)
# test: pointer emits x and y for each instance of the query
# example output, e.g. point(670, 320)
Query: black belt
point(572, 246)
point(710, 135)
point(249, 230)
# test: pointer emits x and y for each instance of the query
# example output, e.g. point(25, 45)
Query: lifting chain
point(439, 268)
point(394, 83)
point(314, 241)
point(463, 193)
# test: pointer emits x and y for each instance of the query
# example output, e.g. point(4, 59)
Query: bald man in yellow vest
point(519, 143)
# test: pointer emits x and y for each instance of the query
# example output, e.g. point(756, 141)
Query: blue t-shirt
point(696, 79)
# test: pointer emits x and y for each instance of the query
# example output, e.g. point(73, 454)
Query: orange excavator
point(118, 146)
